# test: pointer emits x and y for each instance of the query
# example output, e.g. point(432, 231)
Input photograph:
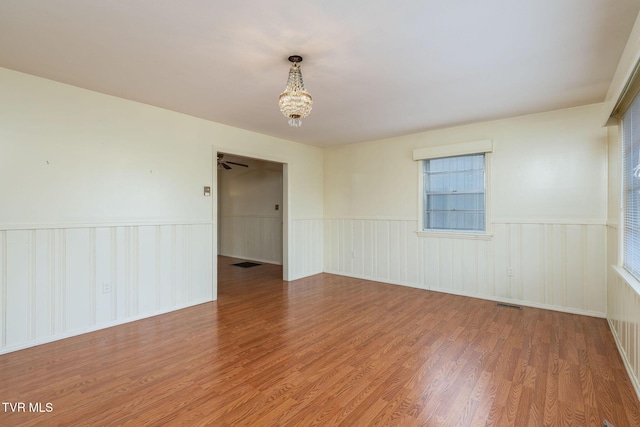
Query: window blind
point(631, 188)
point(454, 193)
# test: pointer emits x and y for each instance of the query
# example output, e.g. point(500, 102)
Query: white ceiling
point(375, 68)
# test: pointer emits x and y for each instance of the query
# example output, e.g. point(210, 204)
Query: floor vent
point(501, 304)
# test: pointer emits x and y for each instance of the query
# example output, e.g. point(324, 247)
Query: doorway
point(251, 209)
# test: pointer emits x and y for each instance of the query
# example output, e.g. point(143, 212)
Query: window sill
point(627, 277)
point(454, 235)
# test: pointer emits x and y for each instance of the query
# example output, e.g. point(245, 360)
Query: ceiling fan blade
point(238, 164)
point(227, 167)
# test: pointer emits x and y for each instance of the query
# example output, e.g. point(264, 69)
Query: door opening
point(251, 209)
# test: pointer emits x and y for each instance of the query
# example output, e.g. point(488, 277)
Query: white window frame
point(451, 150)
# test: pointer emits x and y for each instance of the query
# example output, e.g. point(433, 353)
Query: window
point(454, 189)
point(631, 188)
point(454, 193)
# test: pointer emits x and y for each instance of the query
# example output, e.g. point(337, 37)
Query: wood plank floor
point(328, 350)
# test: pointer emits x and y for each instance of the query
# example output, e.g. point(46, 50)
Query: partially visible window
point(454, 193)
point(631, 188)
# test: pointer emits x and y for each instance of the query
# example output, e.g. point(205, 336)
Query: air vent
point(516, 307)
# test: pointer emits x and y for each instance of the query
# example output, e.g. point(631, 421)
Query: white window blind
point(454, 193)
point(631, 188)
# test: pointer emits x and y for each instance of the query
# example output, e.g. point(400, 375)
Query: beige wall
point(79, 156)
point(118, 160)
point(549, 166)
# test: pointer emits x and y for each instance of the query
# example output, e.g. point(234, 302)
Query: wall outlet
point(106, 287)
point(510, 271)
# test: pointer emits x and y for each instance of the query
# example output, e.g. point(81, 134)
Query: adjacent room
point(438, 226)
point(250, 205)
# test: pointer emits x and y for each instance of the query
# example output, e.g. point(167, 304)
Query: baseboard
point(480, 296)
point(525, 303)
point(371, 279)
point(625, 360)
point(94, 328)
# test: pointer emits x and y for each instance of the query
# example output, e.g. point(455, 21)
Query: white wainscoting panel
point(623, 308)
point(382, 250)
point(256, 238)
point(457, 265)
point(548, 265)
point(624, 319)
point(305, 247)
point(53, 279)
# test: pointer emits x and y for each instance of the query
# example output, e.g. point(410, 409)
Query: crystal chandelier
point(295, 101)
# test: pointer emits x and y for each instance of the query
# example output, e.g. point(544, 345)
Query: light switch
point(207, 191)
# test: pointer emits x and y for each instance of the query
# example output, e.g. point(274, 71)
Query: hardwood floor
point(327, 350)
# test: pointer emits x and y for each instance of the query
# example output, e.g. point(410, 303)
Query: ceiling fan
point(225, 163)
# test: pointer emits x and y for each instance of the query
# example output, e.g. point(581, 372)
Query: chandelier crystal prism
point(295, 102)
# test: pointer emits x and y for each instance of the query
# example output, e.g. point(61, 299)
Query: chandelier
point(295, 101)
